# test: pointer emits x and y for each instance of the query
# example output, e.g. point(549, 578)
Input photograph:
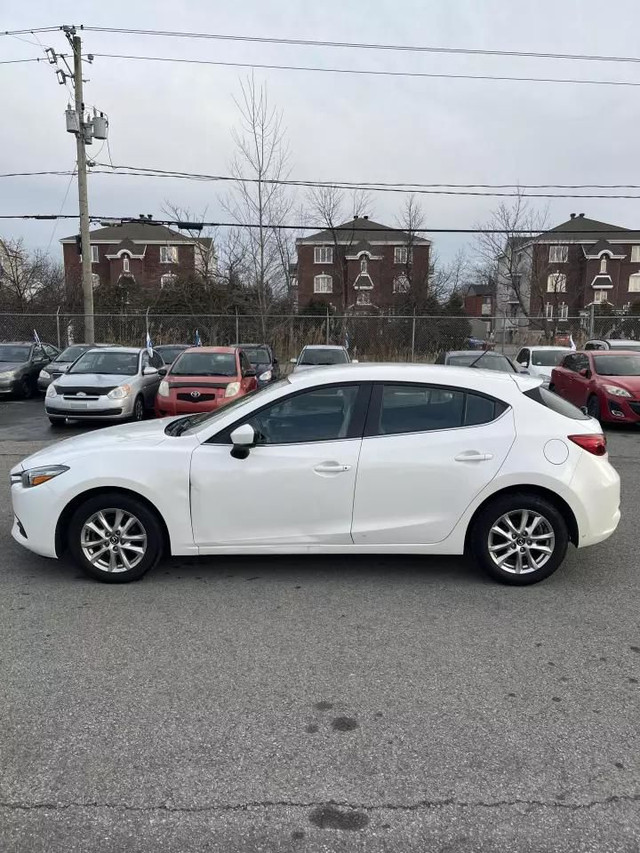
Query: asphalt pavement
point(319, 704)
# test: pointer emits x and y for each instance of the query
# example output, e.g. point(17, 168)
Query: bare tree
point(258, 204)
point(411, 220)
point(28, 279)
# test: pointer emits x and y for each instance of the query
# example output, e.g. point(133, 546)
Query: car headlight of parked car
point(232, 388)
point(36, 476)
point(7, 374)
point(615, 391)
point(266, 376)
point(163, 389)
point(51, 391)
point(120, 392)
point(44, 374)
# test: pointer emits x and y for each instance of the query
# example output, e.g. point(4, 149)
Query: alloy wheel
point(138, 410)
point(521, 541)
point(113, 540)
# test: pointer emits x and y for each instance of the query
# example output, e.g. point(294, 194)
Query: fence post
point(413, 335)
point(58, 325)
point(237, 327)
point(504, 332)
point(327, 325)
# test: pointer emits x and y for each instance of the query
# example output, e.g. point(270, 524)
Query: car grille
point(71, 393)
point(202, 398)
point(198, 385)
point(89, 413)
point(635, 407)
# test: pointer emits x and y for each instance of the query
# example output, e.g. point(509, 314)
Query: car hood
point(541, 370)
point(58, 366)
point(93, 380)
point(629, 383)
point(200, 381)
point(6, 366)
point(144, 434)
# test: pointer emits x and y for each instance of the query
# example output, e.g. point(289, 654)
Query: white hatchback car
point(394, 459)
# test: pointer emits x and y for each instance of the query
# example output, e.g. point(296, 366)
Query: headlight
point(266, 376)
point(163, 389)
point(615, 391)
point(232, 388)
point(51, 391)
point(7, 374)
point(36, 476)
point(44, 374)
point(120, 392)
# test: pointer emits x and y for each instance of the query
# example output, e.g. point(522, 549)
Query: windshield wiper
point(476, 360)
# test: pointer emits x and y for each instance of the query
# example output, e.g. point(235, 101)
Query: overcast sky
point(339, 127)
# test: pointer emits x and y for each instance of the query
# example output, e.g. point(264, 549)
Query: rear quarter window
point(557, 404)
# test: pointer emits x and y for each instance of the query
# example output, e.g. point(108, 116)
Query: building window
point(95, 254)
point(167, 279)
point(563, 311)
point(486, 305)
point(125, 264)
point(603, 264)
point(95, 280)
point(557, 282)
point(548, 311)
point(634, 283)
point(363, 299)
point(600, 296)
point(635, 254)
point(323, 284)
point(323, 255)
point(402, 255)
point(558, 254)
point(168, 254)
point(401, 284)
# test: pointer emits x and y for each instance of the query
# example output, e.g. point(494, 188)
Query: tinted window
point(257, 356)
point(594, 345)
point(98, 361)
point(557, 404)
point(617, 365)
point(245, 364)
point(523, 356)
point(323, 414)
point(420, 408)
point(205, 364)
point(570, 362)
point(12, 353)
point(314, 355)
point(547, 357)
point(71, 353)
point(580, 362)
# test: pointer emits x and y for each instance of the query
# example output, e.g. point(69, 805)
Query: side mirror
point(162, 371)
point(243, 439)
point(586, 373)
point(150, 371)
point(293, 360)
point(250, 372)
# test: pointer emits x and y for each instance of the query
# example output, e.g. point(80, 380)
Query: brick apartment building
point(360, 266)
point(561, 273)
point(148, 255)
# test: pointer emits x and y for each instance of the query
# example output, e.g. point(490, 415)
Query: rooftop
point(139, 231)
point(361, 229)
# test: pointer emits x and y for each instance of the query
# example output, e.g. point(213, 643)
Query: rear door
point(427, 452)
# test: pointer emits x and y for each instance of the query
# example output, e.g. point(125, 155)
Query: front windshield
point(169, 354)
point(196, 422)
point(257, 356)
point(11, 353)
point(70, 354)
point(547, 357)
point(485, 362)
point(98, 361)
point(634, 346)
point(205, 364)
point(323, 356)
point(617, 365)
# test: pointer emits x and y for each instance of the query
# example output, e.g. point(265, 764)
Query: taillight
point(596, 444)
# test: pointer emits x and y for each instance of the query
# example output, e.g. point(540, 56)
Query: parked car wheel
point(138, 410)
point(593, 407)
point(56, 421)
point(519, 539)
point(25, 388)
point(115, 538)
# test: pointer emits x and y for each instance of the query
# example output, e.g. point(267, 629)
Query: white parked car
point(321, 355)
point(393, 459)
point(540, 361)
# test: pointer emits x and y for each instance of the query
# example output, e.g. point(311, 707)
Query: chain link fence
point(368, 338)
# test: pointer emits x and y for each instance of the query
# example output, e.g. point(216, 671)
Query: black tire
point(25, 388)
point(138, 409)
point(57, 421)
point(146, 521)
point(552, 387)
point(593, 407)
point(481, 535)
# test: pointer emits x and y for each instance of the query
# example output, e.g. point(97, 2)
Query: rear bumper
point(596, 485)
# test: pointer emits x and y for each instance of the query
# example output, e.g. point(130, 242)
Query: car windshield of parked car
point(313, 355)
point(169, 354)
point(115, 363)
point(70, 354)
point(617, 365)
point(484, 362)
point(257, 356)
point(205, 364)
point(547, 357)
point(10, 353)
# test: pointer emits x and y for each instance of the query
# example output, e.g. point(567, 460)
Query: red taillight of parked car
point(596, 444)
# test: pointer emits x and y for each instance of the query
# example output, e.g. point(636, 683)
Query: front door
point(427, 452)
point(297, 484)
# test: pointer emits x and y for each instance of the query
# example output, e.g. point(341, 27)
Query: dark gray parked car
point(20, 365)
point(62, 363)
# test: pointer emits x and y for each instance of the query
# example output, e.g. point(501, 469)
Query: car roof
point(113, 348)
point(484, 353)
point(174, 346)
point(322, 346)
point(609, 352)
point(545, 346)
point(213, 349)
point(260, 346)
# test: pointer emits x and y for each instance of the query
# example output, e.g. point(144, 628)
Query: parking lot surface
point(319, 704)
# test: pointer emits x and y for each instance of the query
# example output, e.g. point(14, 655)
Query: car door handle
point(331, 468)
point(473, 456)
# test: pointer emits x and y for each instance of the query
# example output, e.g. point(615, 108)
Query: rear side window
point(555, 403)
point(398, 409)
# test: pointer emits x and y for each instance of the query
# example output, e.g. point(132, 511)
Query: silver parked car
point(62, 362)
point(317, 355)
point(111, 383)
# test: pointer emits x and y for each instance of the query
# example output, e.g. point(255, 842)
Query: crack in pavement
point(266, 804)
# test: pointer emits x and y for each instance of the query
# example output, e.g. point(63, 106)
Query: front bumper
point(35, 521)
point(167, 406)
point(9, 386)
point(102, 407)
point(619, 410)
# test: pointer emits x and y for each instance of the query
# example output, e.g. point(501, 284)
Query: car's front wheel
point(138, 409)
point(115, 538)
point(25, 388)
point(519, 539)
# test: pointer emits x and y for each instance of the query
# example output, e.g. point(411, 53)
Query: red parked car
point(202, 379)
point(606, 382)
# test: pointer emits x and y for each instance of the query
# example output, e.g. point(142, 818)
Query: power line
point(365, 46)
point(31, 31)
point(367, 72)
point(16, 61)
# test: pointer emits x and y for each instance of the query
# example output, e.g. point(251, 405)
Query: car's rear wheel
point(593, 407)
point(138, 410)
point(115, 538)
point(56, 421)
point(519, 539)
point(25, 388)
